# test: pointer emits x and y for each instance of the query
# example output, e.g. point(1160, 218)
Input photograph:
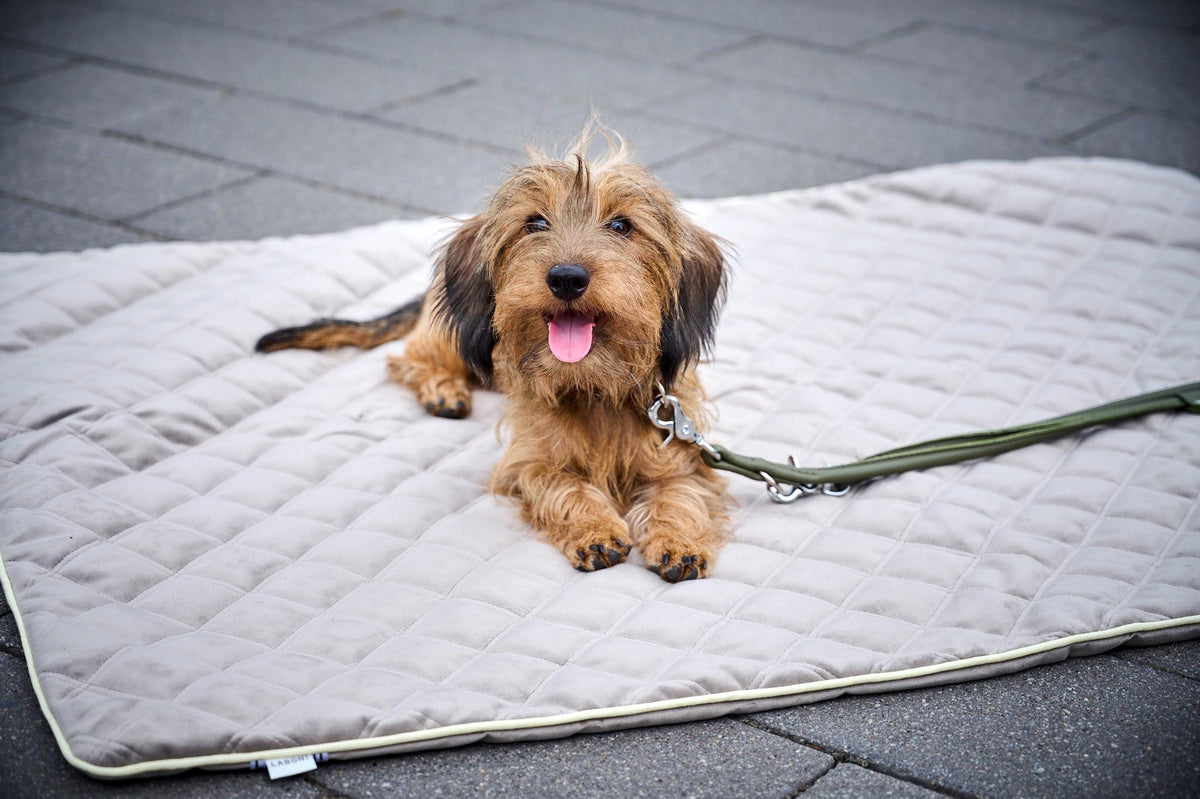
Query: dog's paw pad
point(677, 569)
point(600, 556)
point(446, 400)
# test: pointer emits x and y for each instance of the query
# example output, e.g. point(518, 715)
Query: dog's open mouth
point(571, 334)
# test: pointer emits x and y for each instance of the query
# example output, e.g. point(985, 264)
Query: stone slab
point(1063, 731)
point(100, 175)
point(267, 206)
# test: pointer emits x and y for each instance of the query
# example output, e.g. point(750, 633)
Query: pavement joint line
point(732, 47)
point(16, 652)
point(1085, 60)
point(455, 16)
point(715, 144)
point(441, 91)
point(1103, 24)
point(259, 170)
point(313, 778)
point(805, 785)
point(99, 220)
point(9, 39)
point(752, 138)
point(669, 16)
point(1011, 38)
point(182, 19)
point(263, 172)
point(37, 72)
point(1099, 124)
point(252, 33)
point(518, 37)
point(686, 68)
point(895, 33)
point(123, 66)
point(919, 115)
point(846, 756)
point(227, 90)
point(1121, 655)
point(197, 196)
point(306, 37)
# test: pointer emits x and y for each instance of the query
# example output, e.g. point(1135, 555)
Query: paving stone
point(268, 206)
point(821, 25)
point(427, 174)
point(1170, 49)
point(31, 228)
point(1116, 726)
point(503, 117)
point(614, 29)
point(1003, 60)
point(15, 62)
point(742, 167)
point(1131, 83)
point(1085, 727)
point(31, 766)
point(946, 95)
point(892, 140)
point(1182, 13)
point(849, 781)
point(274, 17)
point(10, 636)
point(1182, 658)
point(15, 15)
point(720, 758)
point(1148, 137)
point(1030, 21)
point(97, 96)
point(236, 60)
point(99, 175)
point(432, 8)
point(517, 61)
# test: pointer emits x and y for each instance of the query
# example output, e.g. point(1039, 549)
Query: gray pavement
point(152, 120)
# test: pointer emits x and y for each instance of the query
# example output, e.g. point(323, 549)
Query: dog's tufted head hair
point(581, 279)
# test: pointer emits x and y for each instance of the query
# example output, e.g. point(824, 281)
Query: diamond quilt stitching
point(214, 551)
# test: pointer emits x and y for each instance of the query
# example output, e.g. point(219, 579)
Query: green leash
point(788, 482)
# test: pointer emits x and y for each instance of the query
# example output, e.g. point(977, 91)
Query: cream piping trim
point(245, 758)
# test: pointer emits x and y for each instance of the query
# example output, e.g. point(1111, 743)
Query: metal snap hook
point(777, 494)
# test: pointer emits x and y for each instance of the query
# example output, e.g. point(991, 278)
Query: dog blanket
point(216, 556)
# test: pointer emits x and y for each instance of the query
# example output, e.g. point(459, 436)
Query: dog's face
point(581, 280)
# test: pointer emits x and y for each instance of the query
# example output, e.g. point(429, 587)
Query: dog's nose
point(567, 281)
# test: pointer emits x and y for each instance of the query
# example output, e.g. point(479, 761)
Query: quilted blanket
point(216, 556)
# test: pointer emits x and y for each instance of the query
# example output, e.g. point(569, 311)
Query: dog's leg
point(679, 524)
point(574, 515)
point(431, 368)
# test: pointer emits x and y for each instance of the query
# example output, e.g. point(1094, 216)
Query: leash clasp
point(677, 423)
point(786, 493)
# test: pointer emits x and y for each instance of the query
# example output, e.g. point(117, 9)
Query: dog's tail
point(326, 333)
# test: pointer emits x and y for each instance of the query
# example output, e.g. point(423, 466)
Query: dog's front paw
point(676, 566)
point(449, 399)
point(590, 557)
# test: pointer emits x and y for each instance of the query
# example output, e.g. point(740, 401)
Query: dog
point(580, 292)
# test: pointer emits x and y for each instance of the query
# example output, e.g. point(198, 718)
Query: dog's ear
point(690, 323)
point(468, 299)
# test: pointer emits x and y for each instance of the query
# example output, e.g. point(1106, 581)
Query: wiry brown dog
point(578, 289)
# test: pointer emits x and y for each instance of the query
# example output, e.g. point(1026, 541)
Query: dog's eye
point(537, 224)
point(620, 226)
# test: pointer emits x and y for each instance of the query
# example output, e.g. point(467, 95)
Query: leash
point(788, 482)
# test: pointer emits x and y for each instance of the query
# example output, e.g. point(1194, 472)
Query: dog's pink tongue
point(571, 335)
